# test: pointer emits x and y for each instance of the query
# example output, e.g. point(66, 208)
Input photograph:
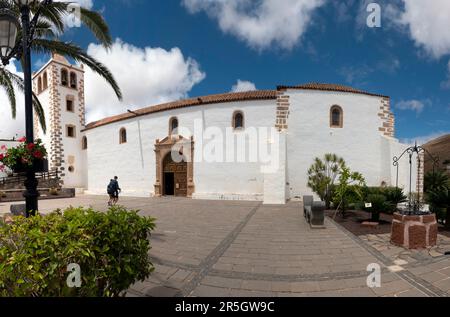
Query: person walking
point(113, 191)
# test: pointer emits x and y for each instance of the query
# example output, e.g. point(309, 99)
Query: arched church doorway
point(175, 177)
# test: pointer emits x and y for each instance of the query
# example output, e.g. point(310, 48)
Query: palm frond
point(37, 106)
point(95, 22)
point(7, 84)
point(71, 50)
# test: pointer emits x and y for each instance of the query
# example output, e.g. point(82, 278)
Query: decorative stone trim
point(283, 106)
point(163, 148)
point(387, 118)
point(56, 152)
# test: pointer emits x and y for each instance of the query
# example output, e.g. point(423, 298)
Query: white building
point(255, 145)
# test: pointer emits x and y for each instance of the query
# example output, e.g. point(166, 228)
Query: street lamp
point(11, 48)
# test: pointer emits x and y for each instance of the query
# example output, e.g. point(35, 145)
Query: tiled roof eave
point(205, 100)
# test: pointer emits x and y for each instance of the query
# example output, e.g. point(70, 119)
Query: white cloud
point(9, 127)
point(261, 24)
point(428, 23)
point(446, 84)
point(72, 20)
point(424, 139)
point(146, 76)
point(243, 85)
point(414, 105)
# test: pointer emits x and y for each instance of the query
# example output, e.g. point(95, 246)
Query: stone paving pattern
point(236, 248)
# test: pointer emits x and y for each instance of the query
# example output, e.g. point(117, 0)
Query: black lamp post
point(11, 48)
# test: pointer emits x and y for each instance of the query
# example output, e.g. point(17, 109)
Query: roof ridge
point(330, 87)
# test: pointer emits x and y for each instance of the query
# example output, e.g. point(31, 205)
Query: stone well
point(414, 232)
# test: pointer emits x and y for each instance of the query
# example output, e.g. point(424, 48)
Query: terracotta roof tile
point(331, 87)
point(211, 99)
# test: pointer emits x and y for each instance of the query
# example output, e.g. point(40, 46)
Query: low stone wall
point(14, 195)
point(414, 232)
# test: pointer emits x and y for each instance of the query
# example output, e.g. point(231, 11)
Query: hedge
point(110, 248)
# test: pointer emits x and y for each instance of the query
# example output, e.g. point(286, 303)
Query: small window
point(123, 136)
point(71, 169)
point(73, 80)
point(173, 126)
point(70, 131)
point(336, 117)
point(69, 105)
point(45, 81)
point(84, 143)
point(39, 85)
point(238, 120)
point(64, 78)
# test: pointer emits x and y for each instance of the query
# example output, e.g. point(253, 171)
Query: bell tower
point(59, 86)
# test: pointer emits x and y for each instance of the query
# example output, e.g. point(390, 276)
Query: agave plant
point(49, 29)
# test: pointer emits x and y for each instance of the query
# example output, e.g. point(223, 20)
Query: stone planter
point(414, 232)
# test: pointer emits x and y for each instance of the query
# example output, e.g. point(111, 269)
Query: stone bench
point(314, 212)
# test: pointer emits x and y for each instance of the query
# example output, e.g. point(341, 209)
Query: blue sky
point(332, 44)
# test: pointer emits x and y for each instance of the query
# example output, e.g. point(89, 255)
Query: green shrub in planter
point(111, 249)
point(379, 205)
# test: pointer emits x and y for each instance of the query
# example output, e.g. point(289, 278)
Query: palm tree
point(49, 28)
point(323, 174)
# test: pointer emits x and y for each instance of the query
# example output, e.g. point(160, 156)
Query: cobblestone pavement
point(235, 248)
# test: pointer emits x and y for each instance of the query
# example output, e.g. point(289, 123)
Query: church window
point(39, 85)
point(73, 80)
point(70, 131)
point(336, 117)
point(173, 126)
point(45, 81)
point(123, 136)
point(84, 143)
point(69, 105)
point(64, 77)
point(238, 120)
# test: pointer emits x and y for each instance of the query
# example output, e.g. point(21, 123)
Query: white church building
point(255, 145)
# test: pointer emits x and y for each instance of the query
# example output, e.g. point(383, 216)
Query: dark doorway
point(169, 184)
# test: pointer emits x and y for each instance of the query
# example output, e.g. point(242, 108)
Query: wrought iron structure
point(414, 205)
point(20, 48)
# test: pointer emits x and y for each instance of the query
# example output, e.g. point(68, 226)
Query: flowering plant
point(24, 155)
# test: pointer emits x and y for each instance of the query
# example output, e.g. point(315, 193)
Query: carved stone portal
point(174, 166)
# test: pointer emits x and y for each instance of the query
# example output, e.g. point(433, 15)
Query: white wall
point(359, 142)
point(71, 147)
point(134, 162)
point(8, 144)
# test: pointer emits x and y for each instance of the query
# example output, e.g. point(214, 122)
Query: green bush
point(111, 249)
point(392, 195)
point(379, 205)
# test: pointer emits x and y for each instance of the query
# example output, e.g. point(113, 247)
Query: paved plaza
point(236, 248)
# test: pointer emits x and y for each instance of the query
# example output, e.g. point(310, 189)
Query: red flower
point(30, 146)
point(24, 139)
point(38, 154)
point(2, 156)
